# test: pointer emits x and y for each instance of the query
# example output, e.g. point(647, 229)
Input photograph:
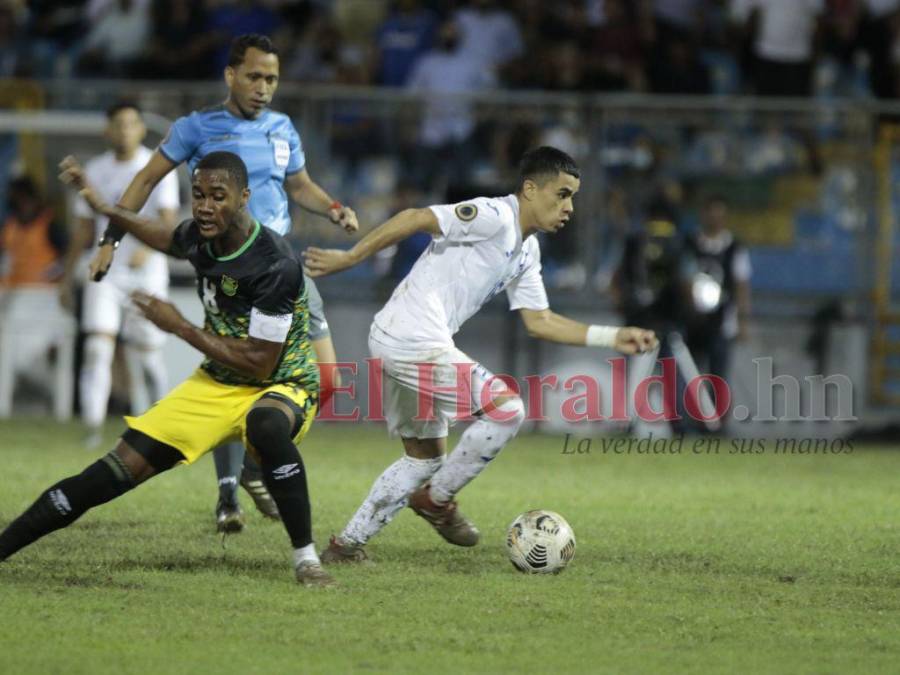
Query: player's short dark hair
point(544, 163)
point(225, 161)
point(121, 105)
point(239, 46)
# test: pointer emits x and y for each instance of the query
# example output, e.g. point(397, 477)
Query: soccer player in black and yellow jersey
point(259, 382)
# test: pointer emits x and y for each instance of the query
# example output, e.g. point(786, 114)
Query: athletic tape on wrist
point(601, 336)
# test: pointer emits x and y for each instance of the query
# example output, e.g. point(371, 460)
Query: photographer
point(720, 289)
point(652, 286)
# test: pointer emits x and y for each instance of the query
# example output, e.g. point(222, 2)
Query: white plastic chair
point(31, 322)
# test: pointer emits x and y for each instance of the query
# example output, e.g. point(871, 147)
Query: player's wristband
point(113, 235)
point(601, 336)
point(107, 239)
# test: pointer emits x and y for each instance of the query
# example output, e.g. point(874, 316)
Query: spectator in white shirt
point(489, 34)
point(447, 75)
point(784, 38)
point(117, 39)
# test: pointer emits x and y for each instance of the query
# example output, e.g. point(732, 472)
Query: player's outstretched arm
point(155, 234)
point(554, 327)
point(136, 195)
point(250, 356)
point(145, 181)
point(312, 197)
point(319, 262)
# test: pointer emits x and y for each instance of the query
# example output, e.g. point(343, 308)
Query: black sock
point(269, 432)
point(64, 503)
point(251, 470)
point(228, 459)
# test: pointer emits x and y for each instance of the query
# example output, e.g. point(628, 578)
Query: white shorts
point(108, 309)
point(423, 394)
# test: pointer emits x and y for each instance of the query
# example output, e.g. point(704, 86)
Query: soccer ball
point(540, 542)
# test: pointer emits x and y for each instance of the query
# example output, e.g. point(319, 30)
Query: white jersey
point(479, 253)
point(110, 178)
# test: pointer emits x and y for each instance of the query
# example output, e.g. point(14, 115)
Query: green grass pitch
point(685, 563)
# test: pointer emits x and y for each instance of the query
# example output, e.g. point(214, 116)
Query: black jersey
point(654, 270)
point(262, 279)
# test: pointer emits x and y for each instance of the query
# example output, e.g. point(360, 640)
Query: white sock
point(95, 378)
point(388, 495)
point(148, 375)
point(305, 554)
point(480, 443)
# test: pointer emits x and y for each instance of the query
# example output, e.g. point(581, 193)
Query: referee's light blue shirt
point(269, 145)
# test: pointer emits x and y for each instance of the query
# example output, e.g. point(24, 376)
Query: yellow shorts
point(201, 414)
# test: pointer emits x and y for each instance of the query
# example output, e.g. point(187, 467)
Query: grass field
point(685, 563)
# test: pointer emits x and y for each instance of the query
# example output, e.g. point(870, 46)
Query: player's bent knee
point(425, 448)
point(294, 413)
point(143, 456)
point(267, 426)
point(99, 349)
point(508, 410)
point(125, 459)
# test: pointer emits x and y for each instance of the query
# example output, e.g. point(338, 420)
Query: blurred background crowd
point(765, 47)
point(457, 116)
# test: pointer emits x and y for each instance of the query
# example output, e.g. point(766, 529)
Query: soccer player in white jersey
point(480, 248)
point(107, 306)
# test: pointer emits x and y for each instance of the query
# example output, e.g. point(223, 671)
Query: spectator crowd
point(765, 47)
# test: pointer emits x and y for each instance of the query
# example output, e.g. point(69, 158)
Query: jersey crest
point(466, 212)
point(229, 285)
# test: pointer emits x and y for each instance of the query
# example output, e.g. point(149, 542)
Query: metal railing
point(800, 173)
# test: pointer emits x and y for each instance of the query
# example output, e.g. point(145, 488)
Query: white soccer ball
point(540, 542)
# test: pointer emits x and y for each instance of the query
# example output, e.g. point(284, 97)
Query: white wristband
point(601, 336)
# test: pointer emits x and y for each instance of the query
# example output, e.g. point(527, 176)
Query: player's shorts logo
point(466, 212)
point(229, 285)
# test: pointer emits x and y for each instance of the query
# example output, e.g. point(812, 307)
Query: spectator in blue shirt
point(406, 34)
point(239, 18)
